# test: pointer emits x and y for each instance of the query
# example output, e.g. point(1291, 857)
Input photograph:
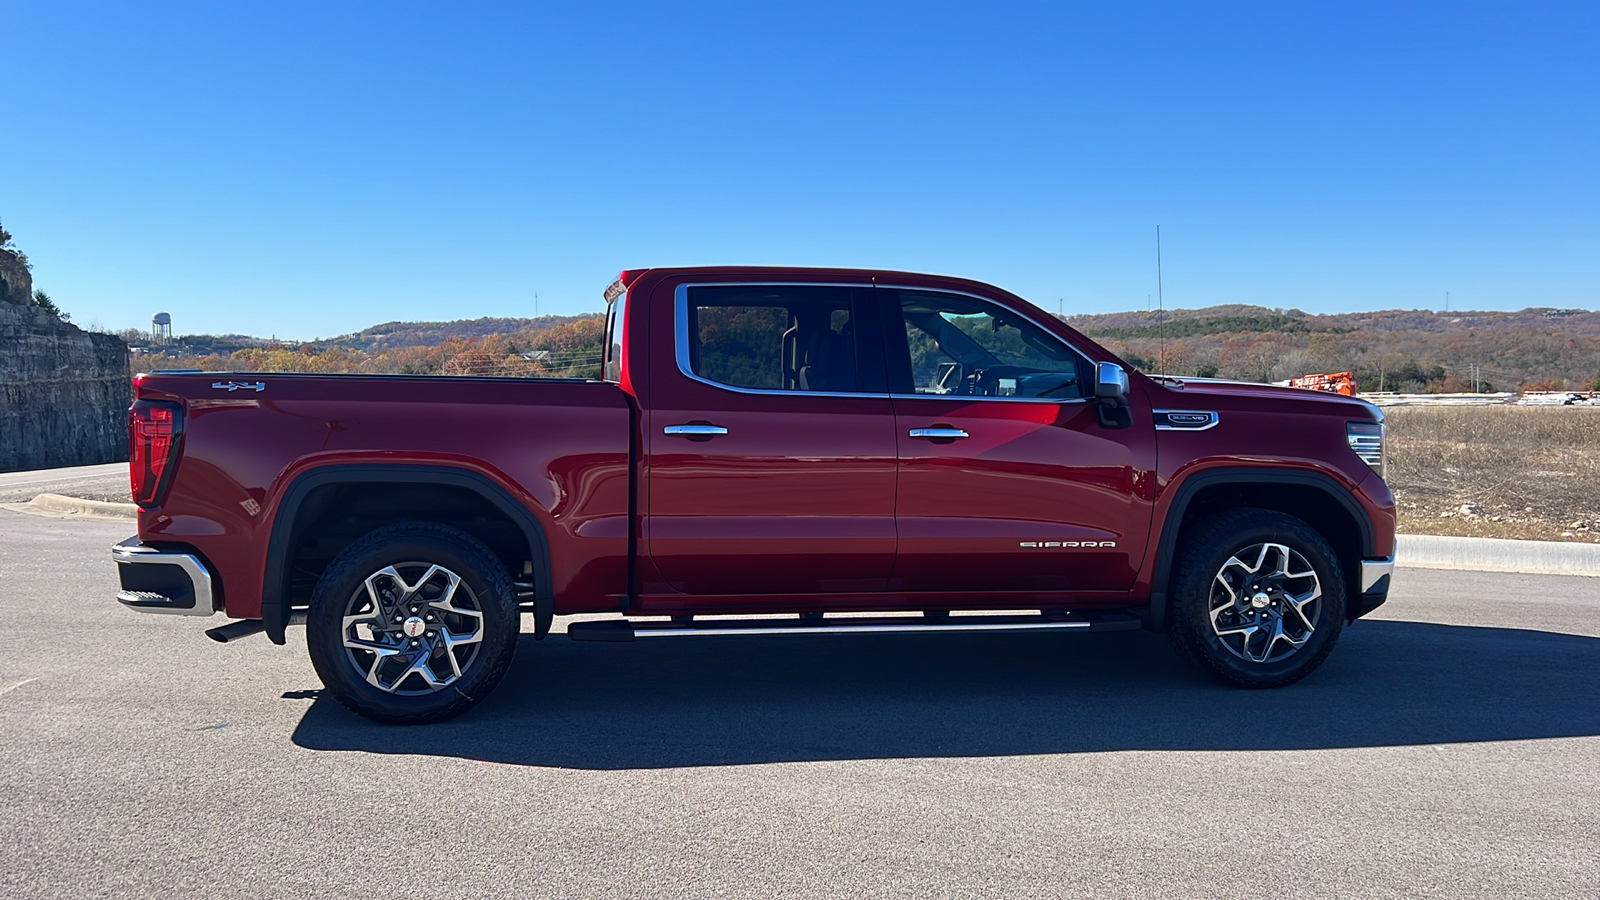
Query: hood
point(1214, 387)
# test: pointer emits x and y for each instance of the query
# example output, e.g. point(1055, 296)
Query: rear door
point(1008, 480)
point(771, 444)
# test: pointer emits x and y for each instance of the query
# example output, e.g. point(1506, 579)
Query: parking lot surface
point(1450, 747)
point(107, 482)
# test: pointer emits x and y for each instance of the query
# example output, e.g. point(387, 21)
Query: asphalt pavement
point(1450, 747)
point(107, 482)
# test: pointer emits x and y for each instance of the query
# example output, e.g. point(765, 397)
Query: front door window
point(968, 347)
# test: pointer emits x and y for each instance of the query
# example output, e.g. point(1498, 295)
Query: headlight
point(1366, 439)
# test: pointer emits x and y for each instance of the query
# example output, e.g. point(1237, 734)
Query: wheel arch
point(299, 509)
point(1313, 497)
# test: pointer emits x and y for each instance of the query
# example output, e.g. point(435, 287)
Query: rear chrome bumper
point(159, 581)
point(1375, 578)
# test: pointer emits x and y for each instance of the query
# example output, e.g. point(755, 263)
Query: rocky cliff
point(64, 392)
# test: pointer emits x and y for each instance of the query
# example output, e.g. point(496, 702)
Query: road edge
point(74, 506)
point(1473, 554)
point(1422, 551)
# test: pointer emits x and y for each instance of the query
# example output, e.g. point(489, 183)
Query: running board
point(626, 630)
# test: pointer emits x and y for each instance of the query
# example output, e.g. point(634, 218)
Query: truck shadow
point(735, 701)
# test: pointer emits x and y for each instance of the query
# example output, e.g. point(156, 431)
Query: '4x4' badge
point(231, 386)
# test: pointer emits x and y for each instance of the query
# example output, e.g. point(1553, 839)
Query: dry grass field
point(1498, 471)
point(1531, 472)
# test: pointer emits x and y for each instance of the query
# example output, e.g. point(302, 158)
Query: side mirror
point(1111, 383)
point(1111, 389)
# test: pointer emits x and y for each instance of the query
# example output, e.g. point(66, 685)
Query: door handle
point(944, 433)
point(694, 430)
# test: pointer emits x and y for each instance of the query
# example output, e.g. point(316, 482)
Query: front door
point(771, 449)
point(1009, 483)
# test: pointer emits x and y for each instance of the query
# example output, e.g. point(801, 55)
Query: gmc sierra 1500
point(798, 441)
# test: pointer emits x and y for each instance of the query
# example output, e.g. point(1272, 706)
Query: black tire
point(414, 548)
point(1209, 546)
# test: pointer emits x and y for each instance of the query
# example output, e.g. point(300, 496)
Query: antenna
point(536, 304)
point(1446, 301)
point(1161, 311)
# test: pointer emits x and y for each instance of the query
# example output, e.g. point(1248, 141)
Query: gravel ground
point(1521, 472)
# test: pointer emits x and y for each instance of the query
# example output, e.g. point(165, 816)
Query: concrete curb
point(1422, 551)
point(1427, 551)
point(77, 507)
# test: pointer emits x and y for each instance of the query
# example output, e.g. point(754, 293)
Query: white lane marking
point(4, 691)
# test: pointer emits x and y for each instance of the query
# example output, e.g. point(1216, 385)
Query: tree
point(43, 301)
point(1295, 363)
point(6, 245)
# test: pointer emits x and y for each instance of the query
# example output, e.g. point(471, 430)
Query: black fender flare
point(274, 587)
point(1187, 489)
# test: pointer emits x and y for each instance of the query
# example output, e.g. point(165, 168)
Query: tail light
point(154, 431)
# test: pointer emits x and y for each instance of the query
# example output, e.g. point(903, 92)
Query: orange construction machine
point(1337, 383)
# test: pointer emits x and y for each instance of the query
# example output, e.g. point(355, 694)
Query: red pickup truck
point(856, 451)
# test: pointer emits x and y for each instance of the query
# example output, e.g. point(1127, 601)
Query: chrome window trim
point(967, 398)
point(1216, 419)
point(680, 330)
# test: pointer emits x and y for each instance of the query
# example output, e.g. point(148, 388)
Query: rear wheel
point(1258, 598)
point(412, 623)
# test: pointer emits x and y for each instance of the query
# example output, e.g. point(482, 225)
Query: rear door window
point(772, 338)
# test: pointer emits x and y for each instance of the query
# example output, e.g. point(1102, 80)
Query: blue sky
point(309, 170)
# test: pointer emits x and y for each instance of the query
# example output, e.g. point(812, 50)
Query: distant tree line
point(571, 349)
point(1392, 351)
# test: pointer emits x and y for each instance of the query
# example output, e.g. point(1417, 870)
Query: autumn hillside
point(1396, 350)
point(430, 334)
point(553, 346)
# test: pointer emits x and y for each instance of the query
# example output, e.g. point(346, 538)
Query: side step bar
point(626, 630)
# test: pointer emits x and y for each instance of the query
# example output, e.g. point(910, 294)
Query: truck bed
point(559, 448)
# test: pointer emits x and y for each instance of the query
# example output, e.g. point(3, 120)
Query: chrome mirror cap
point(1111, 382)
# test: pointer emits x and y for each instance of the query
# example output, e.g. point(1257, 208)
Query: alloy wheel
point(412, 628)
point(1265, 603)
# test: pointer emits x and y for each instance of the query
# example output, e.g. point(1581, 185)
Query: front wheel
point(412, 624)
point(1257, 599)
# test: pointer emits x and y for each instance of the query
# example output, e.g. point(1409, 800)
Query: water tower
point(161, 328)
